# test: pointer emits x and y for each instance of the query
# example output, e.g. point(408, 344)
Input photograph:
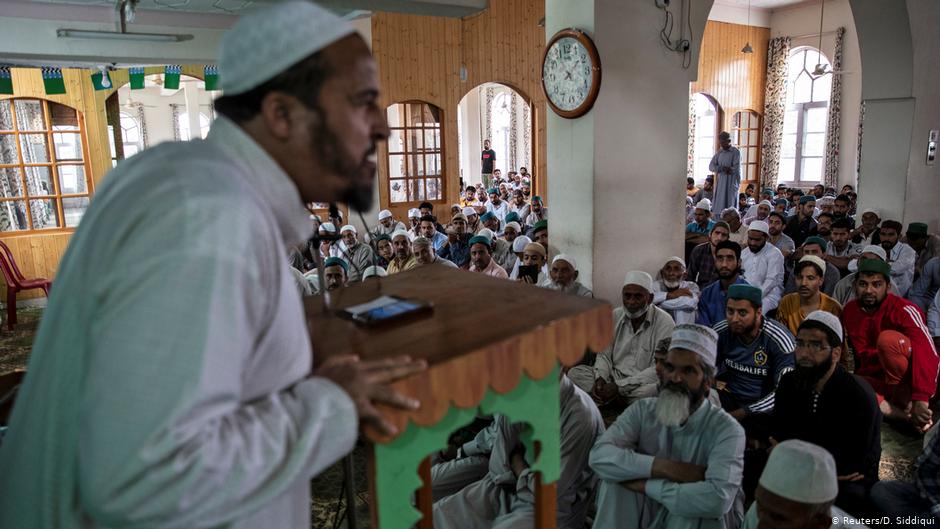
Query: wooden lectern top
point(483, 333)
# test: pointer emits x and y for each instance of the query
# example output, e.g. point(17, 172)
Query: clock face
point(567, 73)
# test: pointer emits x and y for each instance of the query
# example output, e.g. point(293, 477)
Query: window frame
point(719, 119)
point(411, 157)
point(801, 110)
point(53, 164)
point(736, 132)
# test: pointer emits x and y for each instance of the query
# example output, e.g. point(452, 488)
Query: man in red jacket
point(893, 349)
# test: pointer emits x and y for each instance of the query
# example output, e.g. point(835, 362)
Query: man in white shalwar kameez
point(674, 461)
point(505, 498)
point(763, 264)
point(675, 295)
point(171, 383)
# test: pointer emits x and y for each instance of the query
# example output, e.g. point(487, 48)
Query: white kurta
point(683, 308)
point(902, 259)
point(765, 270)
point(169, 384)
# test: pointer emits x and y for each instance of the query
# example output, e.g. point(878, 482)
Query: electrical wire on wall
point(683, 44)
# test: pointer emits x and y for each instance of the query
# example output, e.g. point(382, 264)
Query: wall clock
point(571, 73)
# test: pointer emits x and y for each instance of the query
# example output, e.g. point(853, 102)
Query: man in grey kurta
point(358, 255)
point(505, 498)
point(726, 165)
point(470, 465)
point(677, 476)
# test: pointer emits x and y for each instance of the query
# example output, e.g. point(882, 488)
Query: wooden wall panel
point(736, 80)
point(419, 58)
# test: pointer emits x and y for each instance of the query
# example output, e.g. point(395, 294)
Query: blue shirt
point(711, 303)
point(438, 240)
point(751, 371)
point(926, 287)
point(457, 253)
point(693, 227)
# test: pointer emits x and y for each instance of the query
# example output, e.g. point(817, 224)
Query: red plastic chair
point(16, 282)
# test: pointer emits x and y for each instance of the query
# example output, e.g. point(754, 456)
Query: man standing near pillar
point(726, 164)
point(487, 161)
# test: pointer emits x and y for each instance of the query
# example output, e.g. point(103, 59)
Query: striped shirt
point(751, 371)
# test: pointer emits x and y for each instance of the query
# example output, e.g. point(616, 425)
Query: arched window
point(745, 135)
point(183, 124)
point(707, 121)
point(415, 153)
point(43, 177)
point(803, 151)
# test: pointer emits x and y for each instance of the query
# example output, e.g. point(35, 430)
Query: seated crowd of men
point(746, 383)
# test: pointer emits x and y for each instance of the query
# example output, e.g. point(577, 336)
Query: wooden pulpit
point(492, 346)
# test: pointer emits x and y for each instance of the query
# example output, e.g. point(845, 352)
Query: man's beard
point(674, 404)
point(636, 315)
point(671, 284)
point(823, 233)
point(806, 378)
point(358, 192)
point(724, 273)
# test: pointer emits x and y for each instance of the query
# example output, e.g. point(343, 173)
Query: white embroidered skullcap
point(385, 214)
point(765, 203)
point(374, 271)
point(801, 472)
point(328, 227)
point(514, 225)
point(640, 279)
point(877, 250)
point(267, 42)
point(400, 233)
point(676, 259)
point(519, 243)
point(704, 204)
point(830, 320)
point(759, 225)
point(816, 260)
point(826, 200)
point(486, 232)
point(872, 210)
point(469, 211)
point(566, 258)
point(414, 213)
point(348, 227)
point(699, 339)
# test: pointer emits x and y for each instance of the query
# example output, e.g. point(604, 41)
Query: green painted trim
point(535, 402)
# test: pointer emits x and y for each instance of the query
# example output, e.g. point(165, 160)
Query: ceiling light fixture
point(68, 33)
point(747, 45)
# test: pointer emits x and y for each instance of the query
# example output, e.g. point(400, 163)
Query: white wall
point(735, 14)
point(803, 20)
point(470, 134)
point(158, 114)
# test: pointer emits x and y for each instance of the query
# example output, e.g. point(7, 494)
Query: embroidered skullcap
point(374, 271)
point(535, 247)
point(801, 472)
point(400, 233)
point(469, 211)
point(348, 227)
point(830, 320)
point(519, 243)
point(816, 260)
point(704, 204)
point(566, 258)
point(640, 279)
point(328, 227)
point(877, 250)
point(676, 259)
point(514, 225)
point(385, 214)
point(336, 261)
point(748, 292)
point(699, 339)
point(759, 225)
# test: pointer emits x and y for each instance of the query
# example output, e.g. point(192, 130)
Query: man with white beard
point(674, 461)
point(563, 277)
point(675, 295)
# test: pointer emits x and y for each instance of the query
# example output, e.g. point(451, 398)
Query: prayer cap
point(520, 242)
point(385, 214)
point(748, 292)
point(336, 261)
point(873, 211)
point(383, 237)
point(830, 320)
point(487, 216)
point(540, 225)
point(269, 41)
point(459, 216)
point(492, 191)
point(512, 217)
point(780, 201)
point(374, 271)
point(348, 227)
point(704, 204)
point(469, 211)
point(874, 266)
point(767, 191)
point(759, 225)
point(917, 228)
point(676, 259)
point(766, 203)
point(815, 239)
point(877, 250)
point(399, 233)
point(640, 279)
point(537, 197)
point(328, 227)
point(816, 260)
point(514, 225)
point(826, 200)
point(480, 239)
point(801, 472)
point(566, 258)
point(535, 247)
point(781, 186)
point(488, 233)
point(807, 198)
point(455, 206)
point(414, 213)
point(699, 339)
point(421, 241)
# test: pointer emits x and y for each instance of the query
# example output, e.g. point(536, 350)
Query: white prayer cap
point(566, 258)
point(826, 200)
point(828, 319)
point(267, 42)
point(486, 232)
point(640, 279)
point(676, 259)
point(519, 243)
point(348, 227)
point(328, 227)
point(816, 260)
point(759, 225)
point(469, 211)
point(452, 206)
point(374, 271)
point(699, 339)
point(514, 225)
point(877, 250)
point(385, 214)
point(414, 213)
point(704, 204)
point(871, 210)
point(765, 203)
point(400, 233)
point(801, 472)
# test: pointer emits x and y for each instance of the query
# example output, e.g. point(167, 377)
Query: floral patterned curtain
point(775, 99)
point(526, 132)
point(834, 126)
point(861, 129)
point(175, 116)
point(142, 121)
point(486, 131)
point(513, 132)
point(690, 161)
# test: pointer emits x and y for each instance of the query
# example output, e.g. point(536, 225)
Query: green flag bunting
point(101, 80)
point(52, 80)
point(212, 77)
point(137, 78)
point(6, 80)
point(171, 77)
